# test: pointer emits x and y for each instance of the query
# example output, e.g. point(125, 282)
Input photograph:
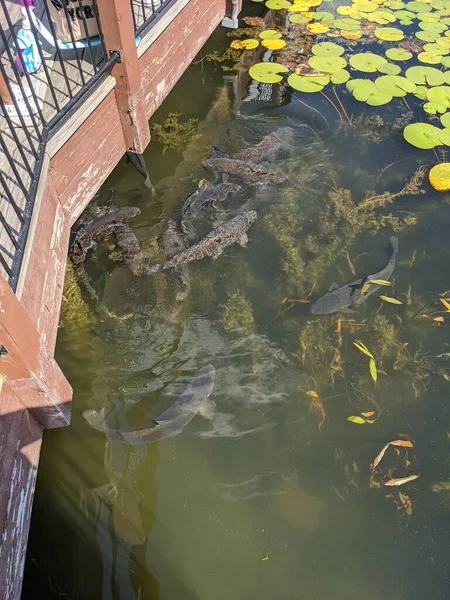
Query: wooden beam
point(118, 32)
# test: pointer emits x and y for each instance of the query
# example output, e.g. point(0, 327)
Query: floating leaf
point(347, 24)
point(395, 85)
point(327, 50)
point(367, 62)
point(308, 84)
point(402, 443)
point(270, 34)
point(267, 72)
point(324, 17)
point(327, 65)
point(362, 348)
point(278, 4)
point(401, 481)
point(422, 135)
point(365, 91)
point(426, 36)
point(389, 34)
point(440, 176)
point(381, 17)
point(419, 7)
point(390, 69)
point(421, 92)
point(428, 58)
point(433, 27)
point(379, 457)
point(299, 19)
point(435, 48)
point(356, 419)
point(368, 414)
point(373, 370)
point(248, 44)
point(439, 319)
point(318, 28)
point(352, 35)
point(446, 303)
point(390, 300)
point(339, 77)
point(273, 44)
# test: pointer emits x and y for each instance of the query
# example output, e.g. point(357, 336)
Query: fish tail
point(393, 242)
point(219, 151)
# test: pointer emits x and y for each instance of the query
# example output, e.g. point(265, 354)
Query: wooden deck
point(54, 84)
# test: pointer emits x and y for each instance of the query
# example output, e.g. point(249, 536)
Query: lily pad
point(278, 4)
point(398, 54)
point(249, 44)
point(270, 34)
point(352, 35)
point(327, 65)
point(433, 27)
point(327, 49)
point(428, 17)
point(273, 44)
point(440, 95)
point(267, 72)
point(429, 58)
point(445, 120)
point(425, 76)
point(419, 7)
point(445, 60)
point(367, 62)
point(366, 6)
point(440, 177)
point(381, 17)
point(308, 84)
point(395, 85)
point(347, 24)
point(339, 77)
point(299, 18)
point(389, 69)
point(365, 90)
point(436, 48)
point(389, 34)
point(422, 135)
point(433, 108)
point(421, 92)
point(318, 28)
point(324, 17)
point(427, 36)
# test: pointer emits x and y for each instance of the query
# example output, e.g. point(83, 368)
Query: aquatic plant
point(172, 134)
point(237, 313)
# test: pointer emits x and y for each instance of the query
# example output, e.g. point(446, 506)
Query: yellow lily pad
point(273, 44)
point(440, 177)
point(249, 44)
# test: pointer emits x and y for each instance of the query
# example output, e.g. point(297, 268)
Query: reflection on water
point(270, 494)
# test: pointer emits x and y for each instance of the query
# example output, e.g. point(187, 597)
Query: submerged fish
point(170, 422)
point(340, 298)
point(270, 148)
point(232, 232)
point(205, 197)
point(234, 166)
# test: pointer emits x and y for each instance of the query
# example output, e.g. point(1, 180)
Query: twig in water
point(333, 105)
point(311, 108)
point(341, 105)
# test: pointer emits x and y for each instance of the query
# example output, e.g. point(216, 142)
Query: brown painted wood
point(117, 26)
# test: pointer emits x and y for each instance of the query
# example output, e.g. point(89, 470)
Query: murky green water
point(272, 496)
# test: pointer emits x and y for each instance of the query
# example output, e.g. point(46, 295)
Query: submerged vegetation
point(173, 135)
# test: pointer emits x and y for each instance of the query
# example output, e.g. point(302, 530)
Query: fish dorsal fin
point(333, 286)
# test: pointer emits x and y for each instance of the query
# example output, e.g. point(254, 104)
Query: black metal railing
point(146, 13)
point(52, 53)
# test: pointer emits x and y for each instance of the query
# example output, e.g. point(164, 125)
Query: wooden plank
point(159, 27)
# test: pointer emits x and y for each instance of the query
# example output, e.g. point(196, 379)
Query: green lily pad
point(327, 64)
point(405, 14)
point(429, 58)
point(445, 60)
point(427, 36)
point(394, 85)
point(366, 6)
point(389, 69)
point(435, 48)
point(278, 4)
point(433, 27)
point(422, 135)
point(425, 76)
point(432, 108)
point(389, 34)
point(428, 17)
point(270, 34)
point(267, 72)
point(418, 7)
point(365, 90)
point(446, 77)
point(308, 84)
point(444, 137)
point(324, 17)
point(339, 77)
point(367, 62)
point(398, 54)
point(347, 24)
point(445, 120)
point(327, 49)
point(299, 18)
point(440, 95)
point(382, 17)
point(421, 92)
point(395, 4)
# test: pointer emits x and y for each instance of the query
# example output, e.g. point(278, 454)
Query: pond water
point(272, 495)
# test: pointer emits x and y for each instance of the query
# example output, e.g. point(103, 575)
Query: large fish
point(170, 422)
point(340, 298)
point(207, 196)
point(272, 147)
point(232, 232)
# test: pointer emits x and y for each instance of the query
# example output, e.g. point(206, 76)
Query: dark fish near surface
point(204, 197)
point(271, 147)
point(171, 421)
point(343, 297)
point(231, 232)
point(234, 166)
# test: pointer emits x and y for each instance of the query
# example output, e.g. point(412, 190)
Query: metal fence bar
point(146, 12)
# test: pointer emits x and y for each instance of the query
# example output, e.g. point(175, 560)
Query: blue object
point(28, 59)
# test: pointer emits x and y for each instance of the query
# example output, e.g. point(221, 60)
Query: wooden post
point(117, 26)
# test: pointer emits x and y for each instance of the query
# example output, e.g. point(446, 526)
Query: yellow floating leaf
point(345, 10)
point(368, 414)
point(379, 457)
point(401, 481)
point(312, 394)
point(402, 443)
point(249, 44)
point(439, 319)
point(390, 300)
point(362, 348)
point(356, 419)
point(318, 28)
point(440, 177)
point(446, 303)
point(352, 35)
point(273, 44)
point(373, 370)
